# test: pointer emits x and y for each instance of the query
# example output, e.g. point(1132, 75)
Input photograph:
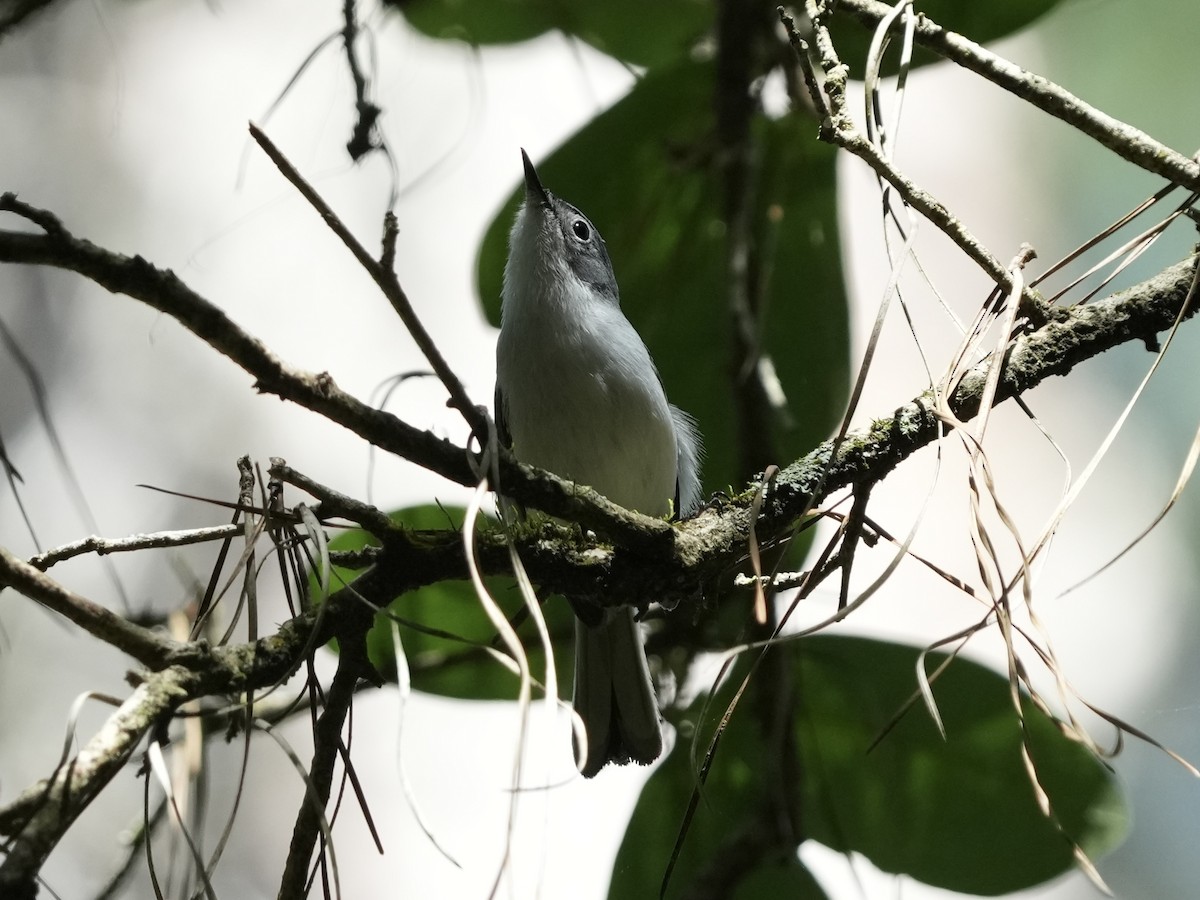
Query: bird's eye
point(581, 230)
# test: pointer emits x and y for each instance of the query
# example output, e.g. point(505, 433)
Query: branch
point(837, 127)
point(563, 560)
point(1126, 141)
point(41, 815)
point(327, 741)
point(717, 538)
point(672, 564)
point(365, 136)
point(158, 540)
point(384, 277)
point(162, 290)
point(743, 30)
point(55, 804)
point(1070, 337)
point(142, 644)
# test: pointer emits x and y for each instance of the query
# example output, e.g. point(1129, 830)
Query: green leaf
point(958, 814)
point(981, 22)
point(788, 880)
point(961, 813)
point(452, 661)
point(644, 34)
point(643, 172)
point(728, 806)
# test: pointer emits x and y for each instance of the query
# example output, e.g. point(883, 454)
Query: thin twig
point(144, 645)
point(156, 541)
point(335, 504)
point(363, 139)
point(1126, 141)
point(327, 739)
point(839, 129)
point(386, 280)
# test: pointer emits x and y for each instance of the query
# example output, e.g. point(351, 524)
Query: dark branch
point(745, 30)
point(838, 128)
point(325, 754)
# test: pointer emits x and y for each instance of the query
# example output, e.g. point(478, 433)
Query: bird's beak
point(534, 192)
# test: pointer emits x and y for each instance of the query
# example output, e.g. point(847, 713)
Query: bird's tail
point(614, 695)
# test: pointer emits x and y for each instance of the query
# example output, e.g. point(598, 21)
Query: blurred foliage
point(958, 813)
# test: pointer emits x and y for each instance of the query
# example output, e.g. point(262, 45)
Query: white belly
point(588, 414)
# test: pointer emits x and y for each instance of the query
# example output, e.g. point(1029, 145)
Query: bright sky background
point(128, 120)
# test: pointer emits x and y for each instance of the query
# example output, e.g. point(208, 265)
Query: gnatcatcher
point(577, 394)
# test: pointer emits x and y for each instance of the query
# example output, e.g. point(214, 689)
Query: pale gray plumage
point(577, 394)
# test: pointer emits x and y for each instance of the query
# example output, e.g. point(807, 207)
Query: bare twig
point(1126, 141)
point(838, 128)
point(333, 503)
point(156, 541)
point(364, 138)
point(385, 279)
point(144, 645)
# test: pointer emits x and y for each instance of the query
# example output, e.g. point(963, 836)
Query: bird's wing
point(501, 414)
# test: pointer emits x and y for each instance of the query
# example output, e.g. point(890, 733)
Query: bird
point(577, 394)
